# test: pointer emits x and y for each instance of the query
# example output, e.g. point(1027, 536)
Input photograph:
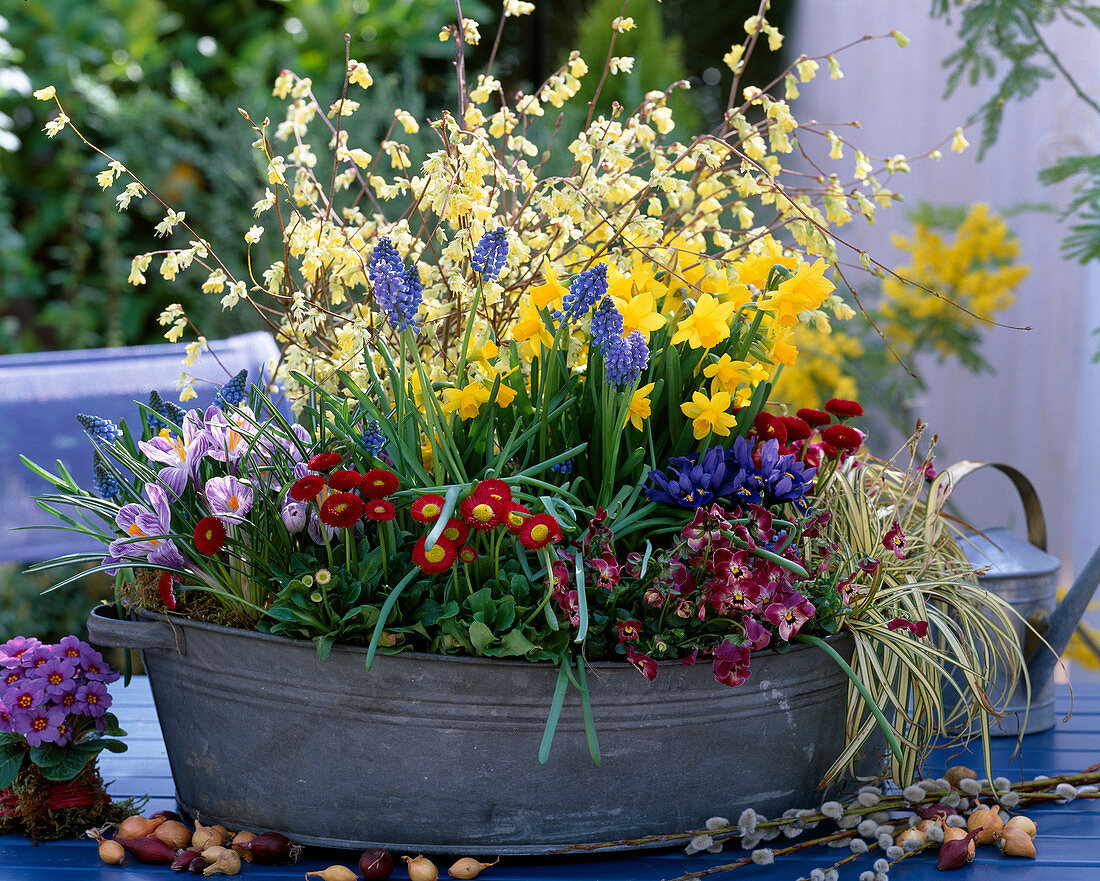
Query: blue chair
point(41, 395)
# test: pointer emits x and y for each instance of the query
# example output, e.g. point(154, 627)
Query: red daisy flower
point(498, 489)
point(341, 510)
point(307, 488)
point(814, 417)
point(797, 429)
point(538, 531)
point(209, 536)
point(456, 532)
point(379, 483)
point(514, 517)
point(467, 554)
point(843, 437)
point(324, 462)
point(427, 508)
point(439, 559)
point(768, 426)
point(829, 451)
point(379, 509)
point(344, 480)
point(164, 585)
point(842, 408)
point(482, 511)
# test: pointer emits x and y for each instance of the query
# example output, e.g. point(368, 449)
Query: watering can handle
point(1033, 510)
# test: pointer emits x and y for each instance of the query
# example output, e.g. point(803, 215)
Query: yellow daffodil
point(548, 295)
point(709, 414)
point(640, 313)
point(640, 406)
point(467, 401)
point(728, 374)
point(707, 325)
point(530, 328)
point(806, 289)
point(505, 395)
point(753, 268)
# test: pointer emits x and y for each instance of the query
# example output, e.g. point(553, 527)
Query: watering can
point(1025, 575)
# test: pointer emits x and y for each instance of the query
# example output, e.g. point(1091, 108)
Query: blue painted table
point(1068, 842)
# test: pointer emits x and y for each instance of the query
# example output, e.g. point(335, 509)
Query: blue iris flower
point(689, 483)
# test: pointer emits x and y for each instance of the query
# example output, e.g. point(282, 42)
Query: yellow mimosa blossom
point(709, 414)
point(467, 401)
point(806, 289)
point(707, 325)
point(548, 295)
point(640, 406)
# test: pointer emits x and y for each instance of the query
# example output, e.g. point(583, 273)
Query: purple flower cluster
point(397, 290)
point(585, 291)
point(625, 359)
point(45, 689)
point(607, 324)
point(491, 253)
point(741, 473)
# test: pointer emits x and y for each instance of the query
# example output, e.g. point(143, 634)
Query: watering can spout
point(1064, 620)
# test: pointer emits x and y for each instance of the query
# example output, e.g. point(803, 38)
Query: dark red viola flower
point(209, 536)
point(842, 408)
point(919, 629)
point(379, 509)
point(341, 510)
point(813, 417)
point(427, 508)
point(538, 531)
point(768, 426)
point(797, 429)
point(307, 488)
point(843, 437)
point(894, 540)
point(645, 664)
point(324, 462)
point(456, 532)
point(629, 630)
point(439, 558)
point(344, 480)
point(379, 483)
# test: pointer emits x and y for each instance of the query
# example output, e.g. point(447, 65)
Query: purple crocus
point(294, 516)
point(143, 530)
point(230, 436)
point(180, 455)
point(228, 498)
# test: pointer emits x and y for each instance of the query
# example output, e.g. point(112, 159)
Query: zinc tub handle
point(107, 630)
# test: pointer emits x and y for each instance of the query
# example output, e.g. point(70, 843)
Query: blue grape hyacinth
point(490, 254)
point(584, 292)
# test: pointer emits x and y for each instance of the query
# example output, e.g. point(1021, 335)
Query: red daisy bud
point(538, 531)
point(439, 559)
point(456, 532)
point(324, 462)
point(379, 509)
point(307, 488)
point(341, 510)
point(797, 429)
point(842, 408)
point(829, 451)
point(427, 508)
point(164, 585)
point(768, 426)
point(843, 437)
point(467, 554)
point(344, 480)
point(814, 417)
point(379, 483)
point(209, 536)
point(482, 511)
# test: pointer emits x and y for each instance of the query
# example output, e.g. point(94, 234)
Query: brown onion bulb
point(468, 867)
point(137, 826)
point(420, 868)
point(174, 833)
point(334, 873)
point(111, 852)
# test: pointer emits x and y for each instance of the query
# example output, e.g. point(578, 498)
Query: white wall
point(1039, 412)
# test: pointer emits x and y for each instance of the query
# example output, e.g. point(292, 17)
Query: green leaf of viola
point(481, 637)
point(11, 760)
point(515, 644)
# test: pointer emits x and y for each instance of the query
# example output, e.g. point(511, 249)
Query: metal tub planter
point(439, 754)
